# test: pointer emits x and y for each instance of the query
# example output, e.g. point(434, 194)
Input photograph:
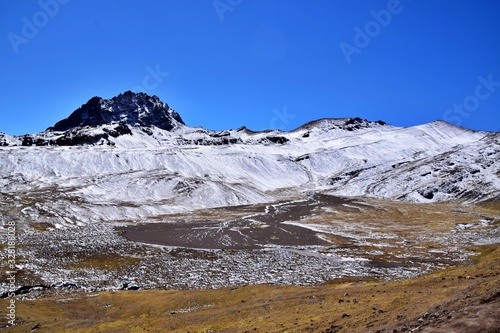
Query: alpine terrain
point(124, 195)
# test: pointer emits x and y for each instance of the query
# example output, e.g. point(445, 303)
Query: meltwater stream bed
point(256, 231)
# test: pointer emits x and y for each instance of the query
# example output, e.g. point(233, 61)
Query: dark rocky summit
point(99, 119)
point(135, 109)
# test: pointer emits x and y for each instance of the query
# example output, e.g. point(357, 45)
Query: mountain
point(132, 158)
point(127, 108)
point(100, 119)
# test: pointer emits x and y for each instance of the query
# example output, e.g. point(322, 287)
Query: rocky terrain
point(312, 250)
point(123, 195)
point(460, 300)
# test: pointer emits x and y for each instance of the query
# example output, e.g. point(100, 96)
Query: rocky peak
point(134, 109)
point(347, 124)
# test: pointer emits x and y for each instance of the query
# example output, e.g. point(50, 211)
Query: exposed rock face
point(346, 156)
point(346, 124)
point(135, 109)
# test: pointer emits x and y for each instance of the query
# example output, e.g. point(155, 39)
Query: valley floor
point(308, 264)
point(462, 299)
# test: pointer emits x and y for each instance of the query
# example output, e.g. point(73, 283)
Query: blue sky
point(261, 63)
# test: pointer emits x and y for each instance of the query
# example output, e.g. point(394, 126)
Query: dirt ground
point(482, 317)
point(264, 227)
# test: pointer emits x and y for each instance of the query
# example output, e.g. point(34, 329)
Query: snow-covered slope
point(124, 167)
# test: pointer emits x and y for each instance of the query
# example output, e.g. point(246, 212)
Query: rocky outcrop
point(134, 109)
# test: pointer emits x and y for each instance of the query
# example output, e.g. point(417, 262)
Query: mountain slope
point(131, 158)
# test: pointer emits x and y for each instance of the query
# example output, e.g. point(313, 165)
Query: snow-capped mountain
point(99, 119)
point(132, 158)
point(129, 108)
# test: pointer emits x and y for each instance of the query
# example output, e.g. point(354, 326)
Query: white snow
point(148, 175)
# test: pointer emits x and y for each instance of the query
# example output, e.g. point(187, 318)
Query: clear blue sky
point(260, 63)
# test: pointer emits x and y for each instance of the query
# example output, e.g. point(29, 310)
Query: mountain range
point(132, 157)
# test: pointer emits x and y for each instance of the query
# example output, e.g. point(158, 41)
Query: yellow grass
point(367, 306)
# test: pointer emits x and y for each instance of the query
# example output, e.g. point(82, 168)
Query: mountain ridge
point(141, 110)
point(150, 171)
point(128, 108)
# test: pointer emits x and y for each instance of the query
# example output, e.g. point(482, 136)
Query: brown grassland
point(462, 298)
point(459, 299)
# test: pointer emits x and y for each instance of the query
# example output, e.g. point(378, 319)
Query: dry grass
point(345, 305)
point(105, 261)
point(43, 226)
point(367, 306)
point(492, 204)
point(398, 230)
